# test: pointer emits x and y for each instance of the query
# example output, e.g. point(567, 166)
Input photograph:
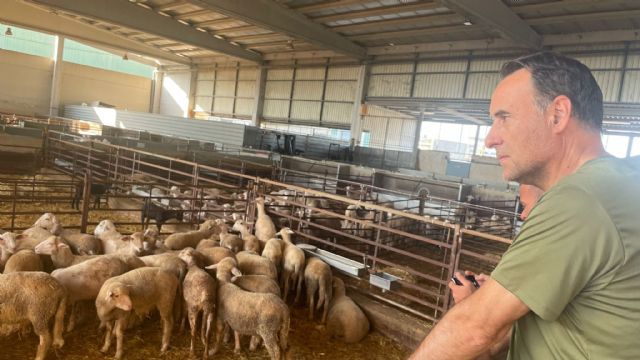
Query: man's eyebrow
point(501, 113)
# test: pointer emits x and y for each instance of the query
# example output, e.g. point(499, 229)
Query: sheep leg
point(299, 288)
point(121, 324)
point(167, 325)
point(237, 348)
point(286, 274)
point(311, 291)
point(42, 330)
point(209, 321)
point(58, 324)
point(192, 324)
point(72, 317)
point(219, 329)
point(107, 337)
point(271, 343)
point(227, 333)
point(255, 342)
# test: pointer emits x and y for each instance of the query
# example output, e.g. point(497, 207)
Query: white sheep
point(254, 264)
point(265, 228)
point(230, 241)
point(199, 293)
point(36, 298)
point(251, 242)
point(23, 260)
point(293, 263)
point(345, 319)
point(179, 241)
point(317, 277)
point(60, 252)
point(273, 251)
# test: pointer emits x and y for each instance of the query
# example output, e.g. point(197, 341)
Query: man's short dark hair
point(554, 75)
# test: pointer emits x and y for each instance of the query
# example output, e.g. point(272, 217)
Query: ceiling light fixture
point(125, 57)
point(467, 22)
point(8, 32)
point(391, 44)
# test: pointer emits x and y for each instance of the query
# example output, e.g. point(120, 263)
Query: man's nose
point(492, 139)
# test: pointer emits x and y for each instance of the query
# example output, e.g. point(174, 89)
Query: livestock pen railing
point(415, 252)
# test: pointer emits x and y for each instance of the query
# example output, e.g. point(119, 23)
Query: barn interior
point(360, 122)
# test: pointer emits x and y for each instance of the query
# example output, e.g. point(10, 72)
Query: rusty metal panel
point(337, 112)
point(204, 88)
point(223, 105)
point(390, 85)
point(225, 88)
point(306, 110)
point(343, 73)
point(442, 66)
point(480, 86)
point(439, 85)
point(276, 108)
point(392, 68)
point(248, 74)
point(340, 90)
point(244, 106)
point(609, 82)
point(308, 90)
point(310, 74)
point(631, 88)
point(246, 88)
point(226, 74)
point(279, 74)
point(277, 90)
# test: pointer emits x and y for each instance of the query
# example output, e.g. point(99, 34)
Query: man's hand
point(460, 292)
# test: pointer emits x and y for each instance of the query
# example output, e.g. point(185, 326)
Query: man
point(568, 285)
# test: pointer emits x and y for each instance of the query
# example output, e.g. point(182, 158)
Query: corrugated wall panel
point(279, 74)
point(395, 129)
point(246, 88)
point(609, 82)
point(343, 73)
point(305, 110)
point(276, 108)
point(211, 131)
point(340, 90)
point(439, 85)
point(633, 61)
point(337, 112)
point(390, 85)
point(310, 74)
point(277, 90)
point(174, 99)
point(206, 75)
point(392, 68)
point(480, 86)
point(442, 66)
point(204, 88)
point(604, 61)
point(248, 74)
point(307, 90)
point(203, 103)
point(223, 106)
point(376, 126)
point(487, 64)
point(226, 74)
point(631, 88)
point(225, 88)
point(244, 106)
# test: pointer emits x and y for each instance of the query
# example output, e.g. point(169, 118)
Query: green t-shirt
point(576, 265)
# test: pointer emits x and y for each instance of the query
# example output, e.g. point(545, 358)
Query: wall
point(174, 97)
point(225, 92)
point(87, 84)
point(388, 129)
point(25, 83)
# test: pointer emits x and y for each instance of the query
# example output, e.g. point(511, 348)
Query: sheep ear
point(212, 267)
point(235, 271)
point(233, 279)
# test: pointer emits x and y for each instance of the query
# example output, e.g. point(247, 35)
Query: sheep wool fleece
point(576, 265)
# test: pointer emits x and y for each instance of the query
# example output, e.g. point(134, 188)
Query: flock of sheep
point(206, 277)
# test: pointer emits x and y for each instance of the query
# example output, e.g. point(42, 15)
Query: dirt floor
point(307, 340)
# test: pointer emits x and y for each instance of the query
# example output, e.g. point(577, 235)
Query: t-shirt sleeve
point(563, 246)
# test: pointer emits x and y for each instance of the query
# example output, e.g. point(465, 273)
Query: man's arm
point(471, 327)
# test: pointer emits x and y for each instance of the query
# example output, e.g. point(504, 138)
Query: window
point(26, 41)
point(365, 139)
point(635, 147)
point(616, 145)
point(78, 53)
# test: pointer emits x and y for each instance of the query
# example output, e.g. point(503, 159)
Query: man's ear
point(561, 112)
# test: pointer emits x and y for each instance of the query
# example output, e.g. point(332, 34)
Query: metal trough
point(339, 262)
point(384, 280)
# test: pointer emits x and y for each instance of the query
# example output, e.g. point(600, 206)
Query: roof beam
point(171, 5)
point(384, 10)
point(378, 25)
point(497, 15)
point(135, 17)
point(600, 15)
point(20, 14)
point(222, 21)
point(413, 32)
point(272, 16)
point(192, 14)
point(325, 5)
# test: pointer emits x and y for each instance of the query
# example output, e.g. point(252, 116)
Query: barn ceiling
point(259, 31)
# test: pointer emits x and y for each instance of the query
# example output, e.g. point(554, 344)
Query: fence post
point(456, 245)
point(86, 200)
point(13, 206)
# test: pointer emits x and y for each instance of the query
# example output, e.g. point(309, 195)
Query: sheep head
point(118, 296)
point(49, 222)
point(49, 246)
point(104, 226)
